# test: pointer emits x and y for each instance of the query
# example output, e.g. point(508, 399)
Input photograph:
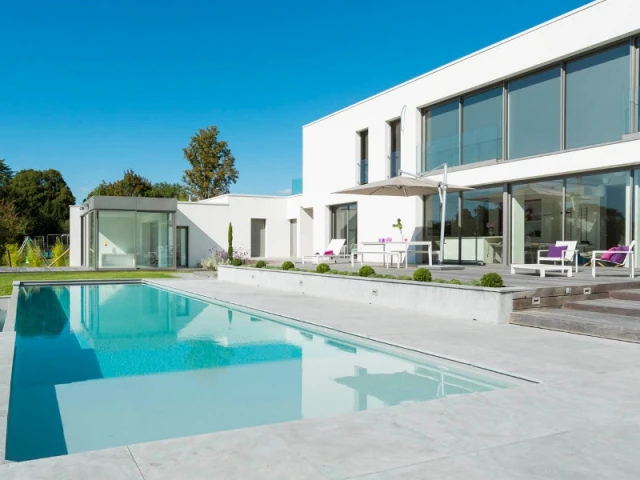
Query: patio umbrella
point(408, 186)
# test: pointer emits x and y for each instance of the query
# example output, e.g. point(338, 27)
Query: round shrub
point(322, 268)
point(261, 264)
point(455, 282)
point(236, 262)
point(287, 265)
point(422, 275)
point(366, 271)
point(492, 280)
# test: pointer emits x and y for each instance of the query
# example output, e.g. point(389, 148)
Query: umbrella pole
point(443, 212)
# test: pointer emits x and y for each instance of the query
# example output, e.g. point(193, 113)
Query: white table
point(391, 251)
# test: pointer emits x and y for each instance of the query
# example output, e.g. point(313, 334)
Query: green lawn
point(6, 279)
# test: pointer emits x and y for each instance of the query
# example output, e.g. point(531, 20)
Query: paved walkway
point(581, 422)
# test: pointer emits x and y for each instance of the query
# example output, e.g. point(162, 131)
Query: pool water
point(109, 365)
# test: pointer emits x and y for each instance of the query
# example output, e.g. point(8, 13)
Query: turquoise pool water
point(108, 365)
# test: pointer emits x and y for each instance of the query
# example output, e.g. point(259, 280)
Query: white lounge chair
point(334, 246)
point(569, 255)
point(543, 268)
point(629, 259)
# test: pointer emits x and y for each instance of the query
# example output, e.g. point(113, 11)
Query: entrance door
point(182, 247)
point(293, 238)
point(258, 228)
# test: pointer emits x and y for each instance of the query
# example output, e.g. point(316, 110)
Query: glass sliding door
point(433, 220)
point(116, 239)
point(536, 218)
point(154, 240)
point(90, 250)
point(344, 224)
point(596, 207)
point(481, 237)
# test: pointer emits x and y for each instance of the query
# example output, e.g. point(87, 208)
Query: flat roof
point(140, 204)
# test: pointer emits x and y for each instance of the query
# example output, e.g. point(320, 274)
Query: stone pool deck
point(581, 421)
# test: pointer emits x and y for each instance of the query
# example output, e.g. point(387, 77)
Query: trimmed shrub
point(288, 265)
point(261, 264)
point(236, 262)
point(366, 271)
point(404, 277)
point(492, 280)
point(455, 282)
point(322, 268)
point(422, 275)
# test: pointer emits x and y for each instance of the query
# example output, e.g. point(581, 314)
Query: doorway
point(258, 229)
point(293, 238)
point(182, 247)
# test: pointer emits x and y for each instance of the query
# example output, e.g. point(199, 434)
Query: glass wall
point(441, 136)
point(127, 239)
point(597, 98)
point(596, 208)
point(482, 127)
point(433, 215)
point(344, 224)
point(481, 237)
point(534, 114)
point(536, 218)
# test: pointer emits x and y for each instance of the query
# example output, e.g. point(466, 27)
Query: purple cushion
point(329, 252)
point(556, 252)
point(619, 257)
point(607, 256)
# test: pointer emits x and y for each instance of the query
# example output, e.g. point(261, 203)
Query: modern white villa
point(544, 126)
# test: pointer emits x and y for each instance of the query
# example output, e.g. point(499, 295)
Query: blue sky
point(92, 88)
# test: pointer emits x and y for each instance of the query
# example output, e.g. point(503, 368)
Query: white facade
point(332, 151)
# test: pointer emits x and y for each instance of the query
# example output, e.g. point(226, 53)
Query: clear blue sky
point(92, 87)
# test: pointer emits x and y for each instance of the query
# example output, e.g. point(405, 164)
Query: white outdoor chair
point(629, 259)
point(334, 246)
point(569, 256)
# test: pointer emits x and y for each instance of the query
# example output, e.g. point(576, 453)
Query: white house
point(543, 125)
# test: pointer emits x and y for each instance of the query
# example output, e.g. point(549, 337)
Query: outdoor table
point(427, 244)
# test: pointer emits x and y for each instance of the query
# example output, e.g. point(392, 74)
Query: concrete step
point(607, 306)
point(631, 294)
point(616, 327)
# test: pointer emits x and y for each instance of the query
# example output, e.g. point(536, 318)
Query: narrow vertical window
point(394, 151)
point(364, 157)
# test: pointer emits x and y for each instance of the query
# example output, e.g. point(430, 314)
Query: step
point(630, 294)
point(615, 327)
point(607, 306)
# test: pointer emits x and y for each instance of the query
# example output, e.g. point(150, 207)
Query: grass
point(7, 279)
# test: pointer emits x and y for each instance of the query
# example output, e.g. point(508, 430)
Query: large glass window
point(344, 224)
point(536, 219)
point(597, 98)
point(534, 114)
point(432, 222)
point(395, 148)
point(364, 157)
point(154, 240)
point(441, 136)
point(596, 210)
point(481, 226)
point(482, 127)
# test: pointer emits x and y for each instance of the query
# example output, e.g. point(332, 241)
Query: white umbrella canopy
point(402, 187)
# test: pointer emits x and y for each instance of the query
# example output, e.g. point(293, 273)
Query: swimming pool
point(99, 366)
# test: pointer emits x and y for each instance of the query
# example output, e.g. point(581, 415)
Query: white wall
point(330, 147)
point(75, 236)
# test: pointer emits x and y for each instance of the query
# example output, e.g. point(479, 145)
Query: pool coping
point(408, 353)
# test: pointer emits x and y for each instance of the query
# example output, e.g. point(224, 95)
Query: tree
point(131, 185)
point(169, 190)
point(11, 226)
point(212, 165)
point(5, 177)
point(42, 199)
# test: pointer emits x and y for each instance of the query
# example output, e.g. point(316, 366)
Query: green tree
point(42, 200)
point(169, 190)
point(5, 177)
point(212, 165)
point(131, 185)
point(11, 226)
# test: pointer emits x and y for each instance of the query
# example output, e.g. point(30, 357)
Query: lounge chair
point(332, 252)
point(563, 252)
point(623, 256)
